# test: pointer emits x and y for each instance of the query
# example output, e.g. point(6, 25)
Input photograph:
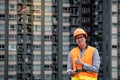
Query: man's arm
point(69, 64)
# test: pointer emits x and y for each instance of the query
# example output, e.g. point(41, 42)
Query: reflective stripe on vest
point(86, 58)
point(74, 78)
point(83, 78)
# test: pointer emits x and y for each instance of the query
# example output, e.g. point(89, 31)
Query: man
point(83, 60)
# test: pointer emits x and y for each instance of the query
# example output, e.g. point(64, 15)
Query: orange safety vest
point(86, 58)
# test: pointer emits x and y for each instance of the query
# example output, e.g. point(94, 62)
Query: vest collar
point(83, 49)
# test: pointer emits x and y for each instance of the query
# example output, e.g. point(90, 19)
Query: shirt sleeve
point(96, 63)
point(69, 64)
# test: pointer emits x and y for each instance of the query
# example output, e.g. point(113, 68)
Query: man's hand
point(72, 73)
point(79, 61)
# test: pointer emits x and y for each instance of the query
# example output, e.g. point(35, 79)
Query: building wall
point(114, 20)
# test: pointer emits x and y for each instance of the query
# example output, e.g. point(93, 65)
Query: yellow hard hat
point(79, 31)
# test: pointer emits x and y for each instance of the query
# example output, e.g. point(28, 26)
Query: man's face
point(81, 40)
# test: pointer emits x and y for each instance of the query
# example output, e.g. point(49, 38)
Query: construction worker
point(83, 60)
